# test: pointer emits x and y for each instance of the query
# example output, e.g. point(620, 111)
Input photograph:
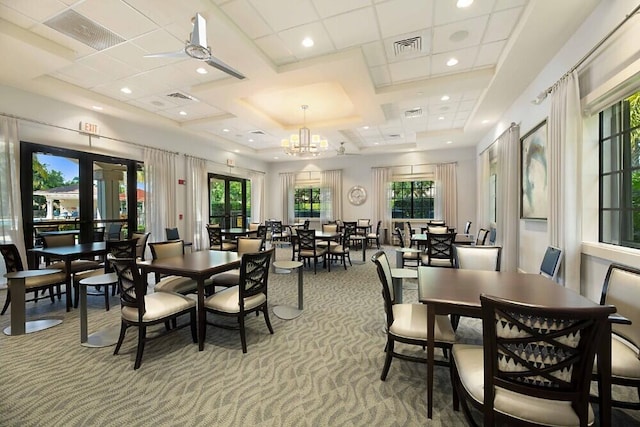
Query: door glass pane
point(216, 197)
point(235, 203)
point(140, 198)
point(110, 195)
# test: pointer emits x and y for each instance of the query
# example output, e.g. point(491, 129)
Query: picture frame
point(534, 199)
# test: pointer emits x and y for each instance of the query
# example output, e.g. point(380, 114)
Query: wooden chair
point(216, 242)
point(178, 284)
point(412, 257)
point(113, 231)
point(439, 250)
point(250, 295)
point(375, 237)
point(172, 233)
point(482, 236)
point(407, 323)
point(308, 249)
point(534, 366)
point(141, 245)
point(551, 262)
point(477, 257)
point(232, 277)
point(142, 310)
point(341, 249)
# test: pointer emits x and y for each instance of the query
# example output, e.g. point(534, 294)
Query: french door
point(229, 201)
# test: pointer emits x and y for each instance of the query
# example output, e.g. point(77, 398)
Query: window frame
point(412, 199)
point(312, 189)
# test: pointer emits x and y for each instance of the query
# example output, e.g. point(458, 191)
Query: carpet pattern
point(320, 369)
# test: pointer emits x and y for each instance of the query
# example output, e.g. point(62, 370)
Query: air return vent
point(181, 95)
point(257, 132)
point(407, 46)
point(84, 30)
point(413, 113)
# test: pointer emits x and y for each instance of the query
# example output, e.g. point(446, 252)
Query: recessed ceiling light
point(276, 158)
point(201, 70)
point(250, 139)
point(97, 107)
point(464, 3)
point(236, 151)
point(458, 36)
point(451, 62)
point(449, 142)
point(125, 90)
point(441, 118)
point(225, 130)
point(376, 143)
point(445, 98)
point(307, 42)
point(183, 113)
point(485, 121)
point(365, 127)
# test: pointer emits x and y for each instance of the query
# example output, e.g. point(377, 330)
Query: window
point(306, 202)
point(229, 201)
point(412, 199)
point(620, 173)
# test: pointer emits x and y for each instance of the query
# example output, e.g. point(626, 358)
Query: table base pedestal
point(286, 312)
point(105, 337)
point(36, 325)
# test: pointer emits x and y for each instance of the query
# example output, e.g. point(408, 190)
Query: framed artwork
point(534, 200)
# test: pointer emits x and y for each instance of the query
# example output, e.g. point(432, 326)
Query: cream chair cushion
point(435, 262)
point(159, 305)
point(181, 285)
point(53, 278)
point(624, 360)
point(86, 274)
point(410, 321)
point(469, 360)
point(477, 258)
point(76, 265)
point(228, 300)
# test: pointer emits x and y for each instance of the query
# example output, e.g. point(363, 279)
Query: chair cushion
point(47, 279)
point(177, 284)
point(86, 274)
point(410, 321)
point(411, 255)
point(228, 278)
point(372, 236)
point(338, 249)
point(436, 262)
point(309, 253)
point(77, 265)
point(469, 361)
point(228, 301)
point(624, 361)
point(159, 305)
point(229, 246)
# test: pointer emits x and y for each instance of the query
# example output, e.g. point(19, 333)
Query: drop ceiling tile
point(489, 53)
point(328, 8)
point(465, 57)
point(154, 103)
point(409, 70)
point(275, 49)
point(461, 116)
point(172, 76)
point(501, 24)
point(81, 50)
point(293, 37)
point(158, 41)
point(164, 12)
point(447, 11)
point(247, 19)
point(374, 54)
point(36, 9)
point(352, 28)
point(466, 105)
point(82, 76)
point(401, 16)
point(443, 34)
point(116, 16)
point(284, 14)
point(132, 55)
point(507, 4)
point(116, 69)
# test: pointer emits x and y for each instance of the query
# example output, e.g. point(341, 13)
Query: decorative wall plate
point(357, 195)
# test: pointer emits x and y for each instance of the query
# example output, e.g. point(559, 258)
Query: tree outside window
point(412, 199)
point(307, 202)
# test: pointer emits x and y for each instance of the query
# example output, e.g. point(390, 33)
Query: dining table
point(457, 291)
point(420, 239)
point(67, 254)
point(234, 232)
point(199, 266)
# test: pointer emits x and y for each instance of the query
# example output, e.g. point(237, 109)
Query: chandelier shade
point(304, 143)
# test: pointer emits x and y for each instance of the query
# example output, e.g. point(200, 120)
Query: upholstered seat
point(227, 300)
point(485, 258)
point(374, 237)
point(341, 249)
point(309, 250)
point(232, 277)
point(407, 257)
point(181, 285)
point(439, 250)
point(158, 306)
point(216, 242)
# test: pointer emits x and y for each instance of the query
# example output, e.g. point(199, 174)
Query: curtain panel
point(330, 195)
point(197, 210)
point(257, 196)
point(447, 193)
point(507, 197)
point(565, 177)
point(287, 188)
point(381, 198)
point(160, 192)
point(484, 190)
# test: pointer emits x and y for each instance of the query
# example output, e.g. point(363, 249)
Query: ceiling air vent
point(394, 136)
point(413, 113)
point(181, 95)
point(257, 132)
point(84, 30)
point(406, 46)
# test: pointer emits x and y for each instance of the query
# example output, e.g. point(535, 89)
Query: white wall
point(616, 55)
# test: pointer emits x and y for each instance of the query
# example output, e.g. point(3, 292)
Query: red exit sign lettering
point(87, 127)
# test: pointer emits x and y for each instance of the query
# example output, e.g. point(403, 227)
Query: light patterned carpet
point(321, 369)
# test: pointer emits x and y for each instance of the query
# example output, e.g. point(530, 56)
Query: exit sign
point(87, 127)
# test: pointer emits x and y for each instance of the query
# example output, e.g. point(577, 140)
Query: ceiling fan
point(342, 151)
point(197, 48)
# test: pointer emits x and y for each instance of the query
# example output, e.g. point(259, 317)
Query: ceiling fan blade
point(216, 63)
point(178, 54)
point(199, 34)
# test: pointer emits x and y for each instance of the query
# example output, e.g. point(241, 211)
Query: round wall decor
point(357, 195)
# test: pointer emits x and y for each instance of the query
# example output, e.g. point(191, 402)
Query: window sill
point(613, 253)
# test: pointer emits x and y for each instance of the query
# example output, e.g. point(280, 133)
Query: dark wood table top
point(200, 264)
point(80, 249)
point(460, 238)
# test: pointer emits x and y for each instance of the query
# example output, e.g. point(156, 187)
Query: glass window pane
point(611, 154)
point(610, 120)
point(55, 187)
point(611, 191)
point(633, 103)
point(610, 227)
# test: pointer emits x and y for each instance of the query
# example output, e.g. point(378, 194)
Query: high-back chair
point(341, 249)
point(279, 232)
point(249, 296)
point(412, 257)
point(229, 278)
point(141, 245)
point(407, 323)
point(216, 242)
point(551, 262)
point(181, 285)
point(172, 233)
point(622, 289)
point(113, 231)
point(534, 365)
point(439, 251)
point(467, 227)
point(483, 233)
point(477, 257)
point(374, 237)
point(308, 249)
point(141, 310)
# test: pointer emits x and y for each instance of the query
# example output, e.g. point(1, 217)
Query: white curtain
point(330, 195)
point(507, 199)
point(564, 154)
point(160, 192)
point(257, 196)
point(287, 188)
point(197, 212)
point(380, 198)
point(484, 190)
point(447, 193)
point(10, 200)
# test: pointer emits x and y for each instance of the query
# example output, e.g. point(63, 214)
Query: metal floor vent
point(406, 46)
point(84, 30)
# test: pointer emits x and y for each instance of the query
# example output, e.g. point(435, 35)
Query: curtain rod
point(417, 164)
point(548, 90)
point(512, 126)
point(25, 119)
point(310, 172)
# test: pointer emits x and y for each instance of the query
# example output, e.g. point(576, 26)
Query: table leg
point(82, 289)
point(604, 371)
point(17, 287)
point(398, 259)
point(364, 249)
point(300, 305)
point(67, 266)
point(431, 322)
point(202, 315)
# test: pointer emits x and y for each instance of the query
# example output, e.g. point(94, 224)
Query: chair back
point(262, 232)
point(160, 250)
point(364, 222)
point(544, 352)
point(307, 240)
point(622, 289)
point(330, 228)
point(276, 227)
point(215, 237)
point(492, 235)
point(305, 225)
point(384, 274)
point(378, 226)
point(254, 274)
point(249, 245)
point(345, 238)
point(131, 284)
point(141, 246)
point(253, 226)
point(98, 234)
point(437, 222)
point(57, 240)
point(440, 246)
point(120, 249)
point(551, 262)
point(467, 227)
point(11, 256)
point(113, 231)
point(351, 224)
point(172, 233)
point(437, 229)
point(477, 257)
point(400, 236)
point(482, 236)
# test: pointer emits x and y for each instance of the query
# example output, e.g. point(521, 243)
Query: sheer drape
point(330, 195)
point(257, 196)
point(197, 211)
point(565, 134)
point(287, 188)
point(484, 191)
point(381, 196)
point(10, 200)
point(160, 192)
point(507, 197)
point(447, 193)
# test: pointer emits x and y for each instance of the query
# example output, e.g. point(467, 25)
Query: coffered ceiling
point(375, 78)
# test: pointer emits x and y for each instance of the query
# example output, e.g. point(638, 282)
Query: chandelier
point(304, 144)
